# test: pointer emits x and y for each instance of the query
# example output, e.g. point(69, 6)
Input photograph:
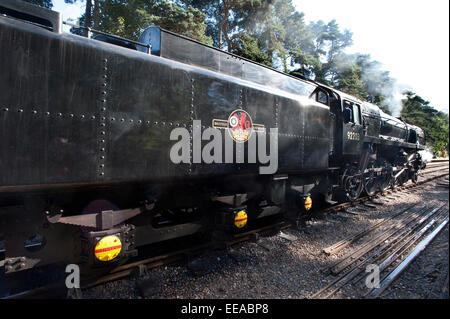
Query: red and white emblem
point(240, 125)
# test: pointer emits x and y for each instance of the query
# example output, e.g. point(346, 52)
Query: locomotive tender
point(86, 137)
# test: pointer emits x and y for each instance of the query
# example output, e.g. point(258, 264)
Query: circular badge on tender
point(240, 219)
point(240, 125)
point(308, 203)
point(108, 248)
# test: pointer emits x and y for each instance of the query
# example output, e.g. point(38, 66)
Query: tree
point(300, 45)
point(435, 124)
point(91, 15)
point(270, 31)
point(275, 26)
point(129, 18)
point(226, 18)
point(348, 76)
point(329, 43)
point(43, 3)
point(248, 47)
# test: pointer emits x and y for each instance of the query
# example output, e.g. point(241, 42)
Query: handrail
point(90, 30)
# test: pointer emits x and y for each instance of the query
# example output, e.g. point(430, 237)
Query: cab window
point(356, 114)
point(348, 112)
point(352, 113)
point(322, 97)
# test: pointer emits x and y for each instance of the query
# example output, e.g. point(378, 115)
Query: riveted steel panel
point(50, 106)
point(95, 112)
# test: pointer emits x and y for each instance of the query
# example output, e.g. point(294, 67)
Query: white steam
point(426, 155)
point(377, 82)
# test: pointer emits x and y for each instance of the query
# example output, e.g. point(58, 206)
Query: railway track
point(382, 251)
point(396, 242)
point(366, 202)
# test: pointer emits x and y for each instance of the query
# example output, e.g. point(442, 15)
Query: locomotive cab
point(415, 135)
point(352, 127)
point(348, 124)
point(412, 137)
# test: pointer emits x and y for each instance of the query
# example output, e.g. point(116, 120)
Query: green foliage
point(247, 46)
point(230, 22)
point(128, 18)
point(91, 16)
point(435, 124)
point(347, 78)
point(43, 3)
point(329, 45)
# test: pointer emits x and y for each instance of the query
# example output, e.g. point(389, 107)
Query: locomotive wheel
point(405, 178)
point(394, 184)
point(370, 184)
point(385, 181)
point(415, 177)
point(401, 180)
point(353, 184)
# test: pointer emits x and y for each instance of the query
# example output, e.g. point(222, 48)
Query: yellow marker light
point(240, 219)
point(308, 203)
point(108, 248)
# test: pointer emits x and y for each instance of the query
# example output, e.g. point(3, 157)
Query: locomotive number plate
point(353, 136)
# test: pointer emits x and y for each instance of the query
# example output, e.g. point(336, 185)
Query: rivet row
point(103, 117)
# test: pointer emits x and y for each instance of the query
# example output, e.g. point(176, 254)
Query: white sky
point(69, 11)
point(409, 37)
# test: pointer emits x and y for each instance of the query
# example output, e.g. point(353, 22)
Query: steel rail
point(397, 254)
point(346, 242)
point(409, 238)
point(407, 261)
point(356, 277)
point(351, 272)
point(377, 257)
point(424, 172)
point(439, 160)
point(375, 242)
point(433, 165)
point(335, 248)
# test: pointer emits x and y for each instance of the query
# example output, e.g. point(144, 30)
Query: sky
point(69, 11)
point(409, 37)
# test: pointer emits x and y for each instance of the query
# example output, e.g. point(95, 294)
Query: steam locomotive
point(103, 142)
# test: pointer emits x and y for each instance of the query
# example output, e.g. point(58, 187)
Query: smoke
point(380, 88)
point(383, 89)
point(426, 155)
point(394, 101)
point(393, 97)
